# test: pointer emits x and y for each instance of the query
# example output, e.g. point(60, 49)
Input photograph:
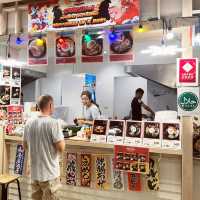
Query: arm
point(148, 109)
point(60, 146)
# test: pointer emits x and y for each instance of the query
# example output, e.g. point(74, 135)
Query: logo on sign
point(187, 70)
point(188, 101)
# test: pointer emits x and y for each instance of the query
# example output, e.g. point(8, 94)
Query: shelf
point(80, 143)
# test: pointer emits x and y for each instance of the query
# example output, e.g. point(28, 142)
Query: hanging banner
point(187, 72)
point(188, 101)
point(15, 96)
point(134, 182)
point(5, 95)
point(121, 45)
point(85, 170)
point(19, 161)
point(37, 50)
point(131, 159)
point(152, 178)
point(82, 13)
point(92, 48)
point(90, 85)
point(65, 48)
point(16, 76)
point(101, 173)
point(71, 169)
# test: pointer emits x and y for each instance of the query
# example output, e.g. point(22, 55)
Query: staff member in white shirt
point(91, 110)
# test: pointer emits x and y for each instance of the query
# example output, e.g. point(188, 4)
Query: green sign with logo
point(188, 101)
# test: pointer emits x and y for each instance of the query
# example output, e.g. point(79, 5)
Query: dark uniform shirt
point(136, 108)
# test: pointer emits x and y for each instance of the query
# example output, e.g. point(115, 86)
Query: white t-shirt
point(91, 113)
point(41, 133)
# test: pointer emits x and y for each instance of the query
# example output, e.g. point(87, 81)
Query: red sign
point(187, 72)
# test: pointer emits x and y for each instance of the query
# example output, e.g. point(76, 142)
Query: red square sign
point(187, 72)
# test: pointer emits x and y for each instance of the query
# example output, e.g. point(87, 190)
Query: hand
point(81, 121)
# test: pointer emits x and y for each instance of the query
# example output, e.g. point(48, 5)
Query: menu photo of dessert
point(152, 134)
point(133, 134)
point(115, 134)
point(99, 131)
point(171, 135)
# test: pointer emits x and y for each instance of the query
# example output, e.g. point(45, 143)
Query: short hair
point(87, 93)
point(43, 101)
point(139, 90)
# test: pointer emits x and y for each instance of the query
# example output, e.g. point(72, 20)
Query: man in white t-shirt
point(44, 140)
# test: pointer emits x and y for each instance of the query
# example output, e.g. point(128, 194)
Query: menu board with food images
point(71, 169)
point(171, 135)
point(92, 48)
point(3, 113)
point(5, 75)
point(131, 159)
point(57, 14)
point(5, 95)
point(115, 132)
point(15, 96)
point(99, 131)
point(37, 50)
point(85, 170)
point(65, 48)
point(16, 76)
point(15, 115)
point(121, 48)
point(133, 134)
point(152, 134)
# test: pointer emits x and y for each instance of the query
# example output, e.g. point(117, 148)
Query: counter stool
point(5, 180)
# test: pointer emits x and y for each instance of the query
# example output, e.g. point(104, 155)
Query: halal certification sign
point(188, 101)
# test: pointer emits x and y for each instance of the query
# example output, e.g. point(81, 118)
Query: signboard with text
point(188, 101)
point(187, 72)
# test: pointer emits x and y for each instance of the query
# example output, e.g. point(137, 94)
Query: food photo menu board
point(133, 134)
point(115, 134)
point(99, 131)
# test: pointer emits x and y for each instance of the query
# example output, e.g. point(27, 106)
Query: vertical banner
point(5, 93)
point(3, 113)
point(118, 180)
point(15, 95)
point(187, 72)
point(65, 48)
point(101, 173)
point(134, 182)
point(92, 48)
point(121, 45)
point(85, 170)
point(19, 161)
point(71, 169)
point(152, 178)
point(90, 85)
point(16, 76)
point(37, 50)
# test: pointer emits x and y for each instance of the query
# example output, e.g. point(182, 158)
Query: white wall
point(29, 92)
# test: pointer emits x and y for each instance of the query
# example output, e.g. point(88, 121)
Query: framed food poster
point(19, 160)
point(92, 48)
point(85, 170)
point(5, 93)
point(15, 115)
point(171, 135)
point(133, 134)
point(37, 49)
point(71, 169)
point(115, 133)
point(6, 75)
point(65, 48)
point(152, 134)
point(99, 131)
point(3, 113)
point(15, 96)
point(101, 168)
point(121, 45)
point(16, 77)
point(131, 159)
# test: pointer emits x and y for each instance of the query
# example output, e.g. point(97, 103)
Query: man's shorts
point(47, 190)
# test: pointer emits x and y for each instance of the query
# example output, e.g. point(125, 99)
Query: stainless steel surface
point(164, 74)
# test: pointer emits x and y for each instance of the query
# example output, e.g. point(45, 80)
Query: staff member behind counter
point(137, 104)
point(90, 111)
